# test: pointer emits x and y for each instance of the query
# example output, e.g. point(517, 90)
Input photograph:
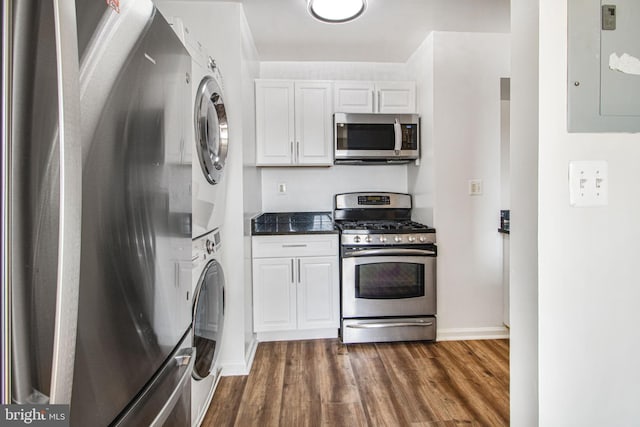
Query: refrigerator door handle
point(151, 408)
point(185, 357)
point(68, 271)
point(7, 53)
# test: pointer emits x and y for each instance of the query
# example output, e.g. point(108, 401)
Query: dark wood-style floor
point(326, 383)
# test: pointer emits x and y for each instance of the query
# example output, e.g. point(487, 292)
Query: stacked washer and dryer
point(207, 135)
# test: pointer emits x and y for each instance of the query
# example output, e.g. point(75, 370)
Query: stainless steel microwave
point(376, 138)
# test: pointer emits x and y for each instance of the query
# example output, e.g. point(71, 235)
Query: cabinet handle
point(373, 101)
point(298, 270)
point(297, 151)
point(292, 278)
point(295, 246)
point(292, 158)
point(378, 102)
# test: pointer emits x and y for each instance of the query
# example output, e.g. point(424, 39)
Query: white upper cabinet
point(275, 124)
point(396, 97)
point(294, 123)
point(353, 97)
point(314, 130)
point(375, 97)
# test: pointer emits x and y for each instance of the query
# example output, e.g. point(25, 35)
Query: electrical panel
point(604, 66)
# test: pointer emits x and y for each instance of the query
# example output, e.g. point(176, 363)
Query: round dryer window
point(212, 132)
point(208, 318)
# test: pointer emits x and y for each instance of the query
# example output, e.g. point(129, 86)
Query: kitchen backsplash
point(312, 189)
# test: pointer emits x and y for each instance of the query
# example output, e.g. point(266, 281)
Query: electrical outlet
point(475, 187)
point(588, 183)
point(282, 188)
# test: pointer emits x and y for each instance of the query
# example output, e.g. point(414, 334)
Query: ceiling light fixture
point(336, 11)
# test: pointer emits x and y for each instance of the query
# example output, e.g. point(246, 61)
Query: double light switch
point(588, 183)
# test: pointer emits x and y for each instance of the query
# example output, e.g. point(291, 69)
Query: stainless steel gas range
point(388, 279)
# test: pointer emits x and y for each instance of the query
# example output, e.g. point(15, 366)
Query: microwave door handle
point(397, 130)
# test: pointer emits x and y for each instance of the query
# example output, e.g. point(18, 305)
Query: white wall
point(465, 129)
point(252, 196)
point(505, 147)
point(589, 273)
point(333, 70)
point(524, 213)
point(421, 180)
point(312, 189)
point(221, 29)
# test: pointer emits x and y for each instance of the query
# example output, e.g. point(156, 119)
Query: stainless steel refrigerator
point(96, 212)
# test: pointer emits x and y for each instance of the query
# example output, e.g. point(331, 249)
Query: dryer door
point(212, 133)
point(208, 318)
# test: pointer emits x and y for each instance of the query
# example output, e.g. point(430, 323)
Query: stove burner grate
point(397, 226)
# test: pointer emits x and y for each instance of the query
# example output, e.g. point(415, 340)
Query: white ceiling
point(389, 31)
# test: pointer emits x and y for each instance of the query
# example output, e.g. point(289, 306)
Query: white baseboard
point(311, 334)
point(461, 334)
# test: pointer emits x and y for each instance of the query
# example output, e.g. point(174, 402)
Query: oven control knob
point(411, 239)
point(368, 239)
point(397, 239)
point(423, 239)
point(356, 239)
point(383, 239)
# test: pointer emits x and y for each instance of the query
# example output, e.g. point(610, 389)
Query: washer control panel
point(205, 246)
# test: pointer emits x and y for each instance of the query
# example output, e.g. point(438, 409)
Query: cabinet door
point(274, 294)
point(318, 292)
point(353, 97)
point(274, 122)
point(313, 116)
point(396, 97)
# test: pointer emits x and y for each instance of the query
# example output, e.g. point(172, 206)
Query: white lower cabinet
point(274, 294)
point(295, 295)
point(318, 292)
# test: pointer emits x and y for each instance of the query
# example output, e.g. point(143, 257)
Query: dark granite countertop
point(293, 223)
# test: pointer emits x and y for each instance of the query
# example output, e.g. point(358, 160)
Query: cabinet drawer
point(295, 245)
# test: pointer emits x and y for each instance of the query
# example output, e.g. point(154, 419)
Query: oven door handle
point(390, 252)
point(388, 325)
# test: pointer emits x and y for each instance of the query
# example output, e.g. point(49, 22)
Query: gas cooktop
point(379, 219)
point(383, 226)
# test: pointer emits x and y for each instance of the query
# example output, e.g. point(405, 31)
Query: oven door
point(389, 282)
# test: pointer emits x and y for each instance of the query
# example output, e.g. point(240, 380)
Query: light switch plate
point(588, 183)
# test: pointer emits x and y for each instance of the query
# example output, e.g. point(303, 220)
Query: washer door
point(208, 318)
point(211, 129)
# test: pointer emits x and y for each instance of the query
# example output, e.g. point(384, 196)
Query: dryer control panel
point(206, 245)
